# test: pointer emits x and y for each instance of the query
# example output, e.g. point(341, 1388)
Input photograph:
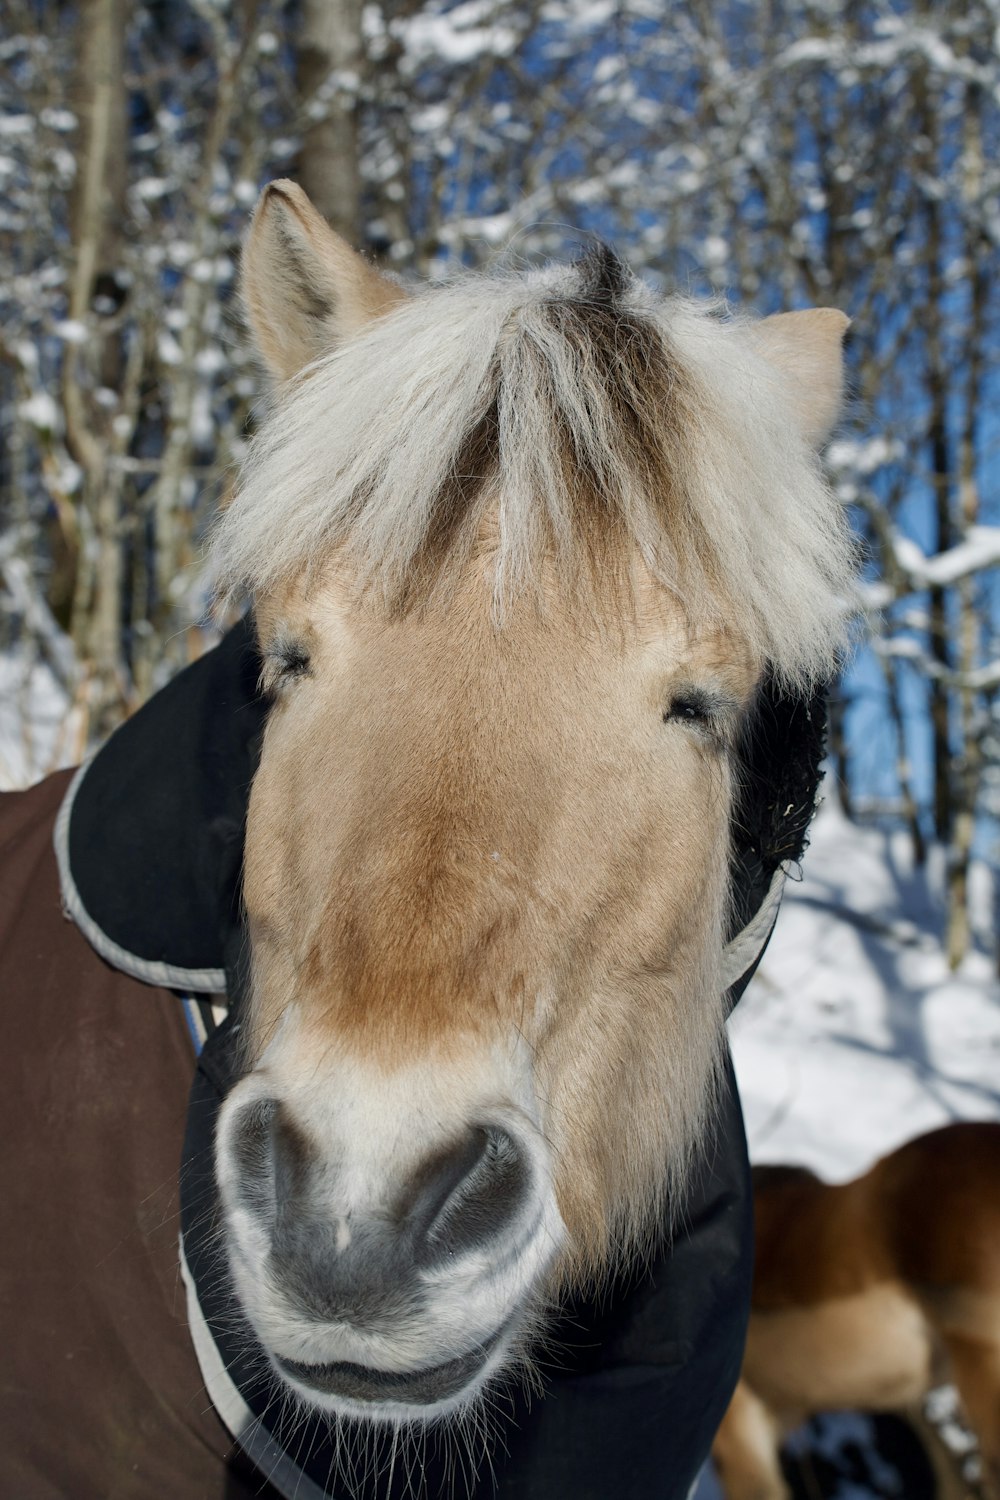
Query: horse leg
point(975, 1366)
point(745, 1450)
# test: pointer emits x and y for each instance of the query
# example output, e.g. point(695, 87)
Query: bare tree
point(330, 64)
point(96, 219)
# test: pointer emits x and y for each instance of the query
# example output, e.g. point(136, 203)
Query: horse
point(866, 1295)
point(545, 583)
point(521, 548)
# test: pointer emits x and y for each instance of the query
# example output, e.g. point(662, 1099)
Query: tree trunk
point(97, 215)
point(328, 63)
point(938, 377)
point(99, 193)
point(970, 772)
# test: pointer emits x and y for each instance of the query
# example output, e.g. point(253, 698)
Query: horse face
point(485, 881)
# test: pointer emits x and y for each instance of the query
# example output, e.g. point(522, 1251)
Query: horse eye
point(294, 662)
point(690, 708)
point(283, 662)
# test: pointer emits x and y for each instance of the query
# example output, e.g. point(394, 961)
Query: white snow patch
point(863, 457)
point(58, 119)
point(71, 331)
point(451, 38)
point(39, 731)
point(979, 549)
point(149, 189)
point(16, 125)
point(854, 1035)
point(168, 348)
point(41, 411)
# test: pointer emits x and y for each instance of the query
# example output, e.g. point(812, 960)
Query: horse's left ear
point(807, 348)
point(303, 287)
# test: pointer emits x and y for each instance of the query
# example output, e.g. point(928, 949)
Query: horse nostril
point(293, 1162)
point(253, 1155)
point(272, 1158)
point(473, 1193)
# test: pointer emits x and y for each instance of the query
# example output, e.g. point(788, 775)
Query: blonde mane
point(594, 417)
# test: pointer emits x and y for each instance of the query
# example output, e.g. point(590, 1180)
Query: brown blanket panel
point(100, 1393)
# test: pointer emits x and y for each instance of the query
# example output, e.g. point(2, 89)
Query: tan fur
point(871, 1350)
point(302, 287)
point(428, 863)
point(804, 346)
point(746, 1450)
point(869, 1293)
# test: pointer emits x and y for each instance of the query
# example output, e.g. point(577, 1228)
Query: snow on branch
point(979, 550)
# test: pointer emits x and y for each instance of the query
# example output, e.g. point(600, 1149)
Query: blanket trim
point(148, 970)
point(246, 1430)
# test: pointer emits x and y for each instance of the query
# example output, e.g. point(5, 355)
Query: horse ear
point(303, 287)
point(807, 348)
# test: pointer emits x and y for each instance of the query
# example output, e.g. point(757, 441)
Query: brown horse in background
point(866, 1295)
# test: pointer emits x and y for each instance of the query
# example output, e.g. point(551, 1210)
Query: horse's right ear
point(303, 287)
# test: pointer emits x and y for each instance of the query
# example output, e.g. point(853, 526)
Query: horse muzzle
point(384, 1283)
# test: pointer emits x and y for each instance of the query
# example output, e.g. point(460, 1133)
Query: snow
point(202, 418)
point(432, 119)
point(16, 125)
point(899, 40)
point(64, 477)
point(58, 119)
point(979, 679)
point(27, 354)
point(212, 268)
point(979, 549)
point(39, 732)
point(168, 349)
point(71, 331)
point(41, 411)
point(854, 1035)
point(864, 456)
point(210, 360)
point(148, 189)
point(456, 37)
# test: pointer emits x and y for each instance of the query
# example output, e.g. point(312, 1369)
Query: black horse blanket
point(102, 1394)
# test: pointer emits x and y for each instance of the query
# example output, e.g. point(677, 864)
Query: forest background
point(781, 153)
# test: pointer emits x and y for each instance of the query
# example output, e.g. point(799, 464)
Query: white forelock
point(357, 451)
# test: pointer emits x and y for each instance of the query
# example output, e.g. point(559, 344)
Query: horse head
point(521, 549)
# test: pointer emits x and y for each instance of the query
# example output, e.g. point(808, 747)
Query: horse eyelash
point(704, 711)
point(283, 662)
point(691, 705)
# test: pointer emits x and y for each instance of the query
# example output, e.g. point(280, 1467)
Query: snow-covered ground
point(854, 1036)
point(39, 730)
